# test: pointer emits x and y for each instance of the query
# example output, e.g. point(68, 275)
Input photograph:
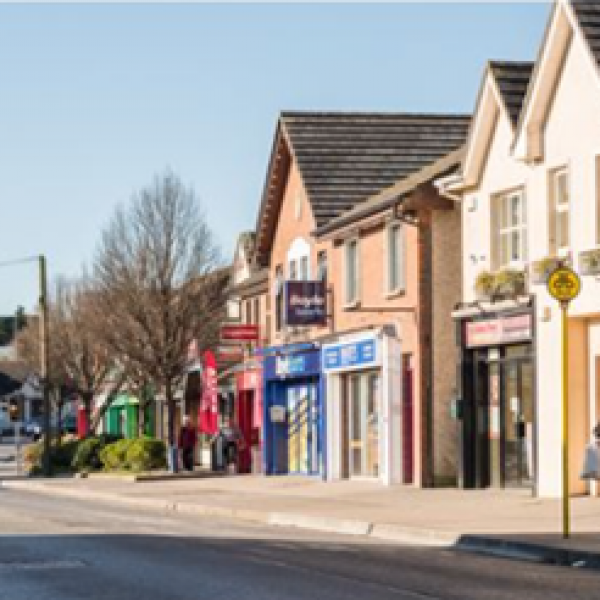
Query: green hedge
point(87, 453)
point(106, 451)
point(140, 454)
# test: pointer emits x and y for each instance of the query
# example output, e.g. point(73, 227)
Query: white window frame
point(597, 197)
point(298, 250)
point(399, 285)
point(502, 233)
point(352, 302)
point(557, 210)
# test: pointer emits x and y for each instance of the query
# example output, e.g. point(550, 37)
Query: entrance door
point(517, 439)
point(303, 422)
point(363, 424)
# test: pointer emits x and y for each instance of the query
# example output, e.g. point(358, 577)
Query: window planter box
point(589, 262)
point(507, 283)
point(541, 269)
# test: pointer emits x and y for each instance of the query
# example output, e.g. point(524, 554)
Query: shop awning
point(475, 309)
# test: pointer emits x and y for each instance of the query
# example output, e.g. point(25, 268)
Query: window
point(304, 268)
point(598, 200)
point(559, 211)
point(395, 258)
point(509, 230)
point(278, 297)
point(322, 266)
point(293, 273)
point(257, 311)
point(248, 312)
point(351, 271)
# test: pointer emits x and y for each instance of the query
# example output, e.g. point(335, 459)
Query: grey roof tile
point(345, 158)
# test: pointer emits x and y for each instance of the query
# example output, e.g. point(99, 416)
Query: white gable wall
point(501, 172)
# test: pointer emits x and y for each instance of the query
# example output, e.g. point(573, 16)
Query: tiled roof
point(345, 158)
point(588, 15)
point(512, 79)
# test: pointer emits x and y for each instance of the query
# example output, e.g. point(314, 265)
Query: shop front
point(364, 393)
point(498, 407)
point(248, 416)
point(293, 416)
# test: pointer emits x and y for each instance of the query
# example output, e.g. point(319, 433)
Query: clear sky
point(95, 99)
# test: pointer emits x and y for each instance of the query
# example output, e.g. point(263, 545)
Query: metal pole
point(565, 420)
point(44, 362)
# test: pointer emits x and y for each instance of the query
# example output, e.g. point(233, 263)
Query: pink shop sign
point(506, 330)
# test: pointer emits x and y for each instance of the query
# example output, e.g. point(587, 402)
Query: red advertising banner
point(209, 407)
point(240, 333)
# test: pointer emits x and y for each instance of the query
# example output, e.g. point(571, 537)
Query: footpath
point(507, 523)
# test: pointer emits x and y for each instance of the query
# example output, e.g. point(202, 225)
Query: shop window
point(351, 271)
point(509, 230)
point(396, 258)
point(559, 211)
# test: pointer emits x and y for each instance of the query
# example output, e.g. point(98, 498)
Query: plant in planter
point(510, 282)
point(485, 284)
point(589, 262)
point(541, 269)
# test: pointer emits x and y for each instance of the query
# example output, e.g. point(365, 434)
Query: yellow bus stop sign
point(564, 284)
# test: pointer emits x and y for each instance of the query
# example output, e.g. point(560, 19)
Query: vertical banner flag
point(209, 408)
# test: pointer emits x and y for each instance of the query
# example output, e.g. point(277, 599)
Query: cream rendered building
point(530, 193)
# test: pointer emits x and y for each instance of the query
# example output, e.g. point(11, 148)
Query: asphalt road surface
point(56, 548)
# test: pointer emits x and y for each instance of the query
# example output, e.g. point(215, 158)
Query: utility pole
point(44, 362)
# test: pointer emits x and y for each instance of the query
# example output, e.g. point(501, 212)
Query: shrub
point(61, 456)
point(87, 454)
point(145, 454)
point(113, 455)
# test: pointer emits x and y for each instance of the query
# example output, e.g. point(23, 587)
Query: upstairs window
point(322, 266)
point(278, 293)
point(598, 200)
point(351, 271)
point(293, 273)
point(509, 230)
point(304, 268)
point(559, 211)
point(396, 258)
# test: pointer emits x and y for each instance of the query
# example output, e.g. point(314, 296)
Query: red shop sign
point(493, 332)
point(243, 333)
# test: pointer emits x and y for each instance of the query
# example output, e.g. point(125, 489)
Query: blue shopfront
point(294, 420)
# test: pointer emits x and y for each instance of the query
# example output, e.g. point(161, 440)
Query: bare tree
point(79, 361)
point(159, 284)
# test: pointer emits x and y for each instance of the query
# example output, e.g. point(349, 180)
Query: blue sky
point(98, 98)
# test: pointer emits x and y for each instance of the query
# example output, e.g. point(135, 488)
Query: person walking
point(187, 443)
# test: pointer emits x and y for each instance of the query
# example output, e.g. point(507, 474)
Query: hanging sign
point(305, 303)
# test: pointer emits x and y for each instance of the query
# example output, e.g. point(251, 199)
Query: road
point(64, 549)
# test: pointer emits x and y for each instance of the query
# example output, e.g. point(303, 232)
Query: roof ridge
point(372, 114)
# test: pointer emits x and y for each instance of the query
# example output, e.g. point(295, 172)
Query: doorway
point(361, 433)
point(518, 422)
point(303, 429)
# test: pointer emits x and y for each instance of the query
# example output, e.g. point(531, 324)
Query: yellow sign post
point(564, 285)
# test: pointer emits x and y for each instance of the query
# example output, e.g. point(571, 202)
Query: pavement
point(59, 548)
point(506, 523)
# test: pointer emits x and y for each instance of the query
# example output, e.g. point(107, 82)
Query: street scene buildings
point(416, 309)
